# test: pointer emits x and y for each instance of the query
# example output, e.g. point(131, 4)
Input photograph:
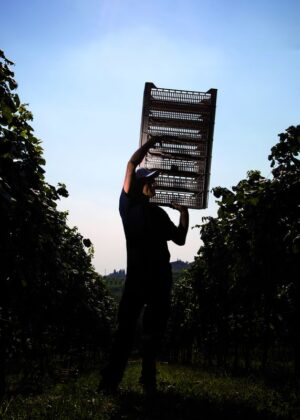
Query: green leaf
point(7, 114)
point(254, 201)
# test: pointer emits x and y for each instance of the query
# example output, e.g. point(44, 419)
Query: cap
point(145, 174)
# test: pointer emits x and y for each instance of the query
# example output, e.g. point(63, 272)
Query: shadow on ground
point(175, 406)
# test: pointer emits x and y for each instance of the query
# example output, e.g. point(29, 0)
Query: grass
point(185, 393)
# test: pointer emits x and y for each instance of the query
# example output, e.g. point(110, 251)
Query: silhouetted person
point(149, 278)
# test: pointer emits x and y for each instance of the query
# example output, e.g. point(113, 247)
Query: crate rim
point(194, 92)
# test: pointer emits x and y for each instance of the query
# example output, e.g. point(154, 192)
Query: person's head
point(145, 179)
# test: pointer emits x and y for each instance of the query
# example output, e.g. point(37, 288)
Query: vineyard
point(235, 308)
point(52, 302)
point(238, 305)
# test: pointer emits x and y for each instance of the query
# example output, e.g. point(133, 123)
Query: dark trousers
point(154, 297)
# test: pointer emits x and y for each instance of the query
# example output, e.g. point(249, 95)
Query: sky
point(81, 65)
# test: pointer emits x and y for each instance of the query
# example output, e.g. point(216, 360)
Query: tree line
point(239, 303)
point(52, 301)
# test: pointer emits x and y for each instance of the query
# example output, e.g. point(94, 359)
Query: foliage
point(183, 320)
point(51, 298)
point(245, 290)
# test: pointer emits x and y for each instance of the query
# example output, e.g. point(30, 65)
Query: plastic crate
point(190, 200)
point(161, 114)
point(177, 119)
point(180, 96)
point(179, 183)
point(176, 133)
point(182, 150)
point(175, 165)
point(183, 123)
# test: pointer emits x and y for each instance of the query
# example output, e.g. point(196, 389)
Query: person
point(148, 281)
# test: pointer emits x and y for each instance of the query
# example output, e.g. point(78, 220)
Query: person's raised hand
point(156, 139)
point(178, 207)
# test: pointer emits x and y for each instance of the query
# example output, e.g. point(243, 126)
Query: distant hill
point(115, 280)
point(117, 274)
point(179, 265)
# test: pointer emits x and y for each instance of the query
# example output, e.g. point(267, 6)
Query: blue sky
point(82, 64)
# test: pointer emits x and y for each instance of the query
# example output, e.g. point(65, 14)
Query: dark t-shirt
point(147, 229)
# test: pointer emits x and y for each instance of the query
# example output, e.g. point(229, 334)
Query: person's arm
point(134, 161)
point(182, 229)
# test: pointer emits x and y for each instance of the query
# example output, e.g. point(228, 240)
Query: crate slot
point(185, 133)
point(169, 115)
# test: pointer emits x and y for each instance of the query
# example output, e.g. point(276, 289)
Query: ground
point(185, 393)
